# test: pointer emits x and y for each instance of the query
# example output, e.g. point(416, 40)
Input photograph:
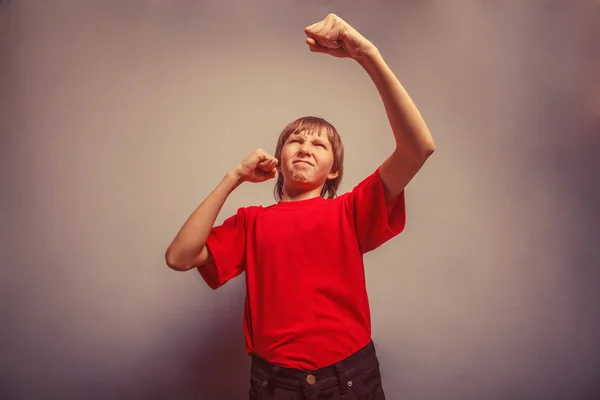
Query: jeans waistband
point(318, 379)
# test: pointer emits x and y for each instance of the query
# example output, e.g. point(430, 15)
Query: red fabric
point(306, 299)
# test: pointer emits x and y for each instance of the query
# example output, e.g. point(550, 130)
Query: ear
point(332, 175)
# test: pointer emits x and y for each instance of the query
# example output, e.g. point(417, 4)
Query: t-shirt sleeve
point(375, 221)
point(227, 244)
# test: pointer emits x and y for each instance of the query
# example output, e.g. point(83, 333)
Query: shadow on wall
point(210, 363)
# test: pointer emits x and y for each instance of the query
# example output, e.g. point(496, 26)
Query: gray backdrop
point(119, 117)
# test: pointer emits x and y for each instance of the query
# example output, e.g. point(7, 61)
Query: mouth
point(303, 162)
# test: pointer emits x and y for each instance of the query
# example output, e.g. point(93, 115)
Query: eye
point(320, 145)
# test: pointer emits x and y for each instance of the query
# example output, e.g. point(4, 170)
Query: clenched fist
point(336, 37)
point(259, 166)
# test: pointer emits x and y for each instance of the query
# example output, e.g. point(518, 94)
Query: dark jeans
point(355, 378)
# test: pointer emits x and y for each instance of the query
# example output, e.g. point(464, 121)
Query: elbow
point(426, 146)
point(428, 149)
point(423, 151)
point(173, 262)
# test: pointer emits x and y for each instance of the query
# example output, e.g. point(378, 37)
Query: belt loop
point(341, 379)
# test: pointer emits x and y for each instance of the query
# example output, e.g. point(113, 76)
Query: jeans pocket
point(258, 385)
point(366, 384)
point(356, 395)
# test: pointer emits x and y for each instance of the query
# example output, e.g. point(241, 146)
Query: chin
point(302, 181)
point(299, 176)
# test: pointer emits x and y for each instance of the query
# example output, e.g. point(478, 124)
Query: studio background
point(119, 117)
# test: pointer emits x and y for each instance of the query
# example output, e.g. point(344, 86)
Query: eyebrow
point(314, 137)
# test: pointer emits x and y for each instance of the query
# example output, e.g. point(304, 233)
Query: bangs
point(310, 127)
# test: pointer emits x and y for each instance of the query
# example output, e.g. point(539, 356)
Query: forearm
point(410, 131)
point(186, 250)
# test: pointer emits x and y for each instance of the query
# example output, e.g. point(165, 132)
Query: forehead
point(318, 132)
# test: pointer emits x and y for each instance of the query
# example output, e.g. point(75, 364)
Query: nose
point(304, 149)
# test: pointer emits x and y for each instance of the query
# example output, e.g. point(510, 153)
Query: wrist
point(368, 54)
point(235, 176)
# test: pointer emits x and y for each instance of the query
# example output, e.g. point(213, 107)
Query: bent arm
point(414, 143)
point(188, 250)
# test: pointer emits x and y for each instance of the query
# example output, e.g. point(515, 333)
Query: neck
point(296, 195)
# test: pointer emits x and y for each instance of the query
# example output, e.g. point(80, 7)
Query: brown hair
point(313, 124)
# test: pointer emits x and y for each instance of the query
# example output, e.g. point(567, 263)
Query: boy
point(306, 317)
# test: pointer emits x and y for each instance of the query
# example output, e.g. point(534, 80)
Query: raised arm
point(188, 250)
point(414, 143)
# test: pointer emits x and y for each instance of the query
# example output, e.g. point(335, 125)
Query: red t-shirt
point(306, 300)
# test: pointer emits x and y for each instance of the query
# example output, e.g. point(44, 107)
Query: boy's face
point(306, 160)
